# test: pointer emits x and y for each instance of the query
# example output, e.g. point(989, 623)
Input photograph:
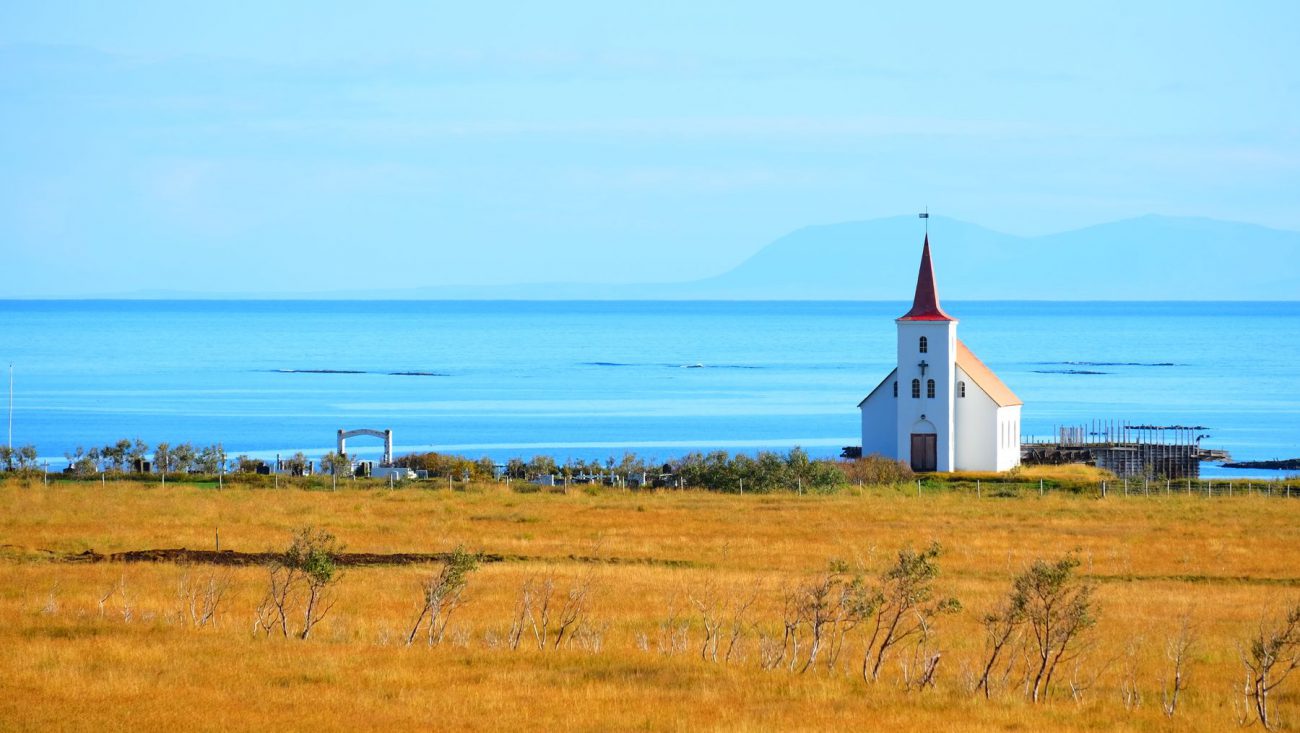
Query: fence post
point(1040, 487)
point(918, 488)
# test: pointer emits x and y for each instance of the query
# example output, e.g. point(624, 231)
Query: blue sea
point(595, 379)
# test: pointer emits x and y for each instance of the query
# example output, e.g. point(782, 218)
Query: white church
point(940, 409)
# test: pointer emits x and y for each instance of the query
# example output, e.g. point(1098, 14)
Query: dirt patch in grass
point(182, 555)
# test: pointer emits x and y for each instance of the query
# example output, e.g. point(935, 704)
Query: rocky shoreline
point(1289, 464)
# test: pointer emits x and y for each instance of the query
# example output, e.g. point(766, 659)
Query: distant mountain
point(1147, 258)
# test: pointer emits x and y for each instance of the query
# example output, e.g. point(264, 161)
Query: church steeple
point(925, 304)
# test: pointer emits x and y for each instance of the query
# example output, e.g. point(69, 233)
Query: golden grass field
point(135, 663)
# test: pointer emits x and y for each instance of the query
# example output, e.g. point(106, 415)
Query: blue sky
point(293, 146)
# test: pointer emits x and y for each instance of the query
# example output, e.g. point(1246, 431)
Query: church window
point(916, 388)
point(961, 389)
point(925, 345)
point(929, 388)
point(895, 389)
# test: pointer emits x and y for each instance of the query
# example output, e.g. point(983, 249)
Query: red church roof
point(925, 305)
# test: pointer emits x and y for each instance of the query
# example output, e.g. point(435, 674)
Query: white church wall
point(1009, 447)
point(977, 428)
point(914, 413)
point(879, 418)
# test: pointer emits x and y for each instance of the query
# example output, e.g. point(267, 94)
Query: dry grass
point(134, 664)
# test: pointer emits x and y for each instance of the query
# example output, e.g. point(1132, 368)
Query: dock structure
point(1125, 449)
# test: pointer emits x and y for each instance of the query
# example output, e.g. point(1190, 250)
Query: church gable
point(886, 381)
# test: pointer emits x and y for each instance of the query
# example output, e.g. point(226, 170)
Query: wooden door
point(925, 451)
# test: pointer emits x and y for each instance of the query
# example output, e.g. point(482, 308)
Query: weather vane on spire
point(925, 215)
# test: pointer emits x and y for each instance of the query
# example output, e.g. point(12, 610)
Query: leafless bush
point(674, 632)
point(200, 598)
point(51, 606)
point(1130, 692)
point(770, 651)
point(722, 616)
point(829, 607)
point(1177, 651)
point(1082, 679)
point(553, 619)
point(590, 637)
point(1269, 656)
point(920, 668)
point(118, 589)
point(460, 638)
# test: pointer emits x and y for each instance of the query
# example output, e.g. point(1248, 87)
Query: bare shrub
point(1269, 656)
point(1177, 651)
point(674, 632)
point(722, 616)
point(828, 607)
point(118, 589)
point(1130, 692)
point(552, 618)
point(51, 605)
point(200, 597)
point(920, 668)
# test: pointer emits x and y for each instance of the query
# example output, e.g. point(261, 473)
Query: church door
point(925, 451)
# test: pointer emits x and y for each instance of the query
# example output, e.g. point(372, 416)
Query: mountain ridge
point(1148, 257)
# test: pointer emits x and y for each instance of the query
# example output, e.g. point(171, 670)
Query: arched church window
point(925, 345)
point(916, 388)
point(929, 388)
point(961, 389)
point(895, 389)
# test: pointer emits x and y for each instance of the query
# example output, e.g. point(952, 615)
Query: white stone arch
point(385, 435)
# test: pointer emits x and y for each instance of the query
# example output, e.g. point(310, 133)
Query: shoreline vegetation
point(763, 472)
point(594, 607)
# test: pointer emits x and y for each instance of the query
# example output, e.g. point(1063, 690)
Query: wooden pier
point(1125, 449)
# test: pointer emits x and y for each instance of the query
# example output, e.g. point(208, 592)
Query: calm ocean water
point(592, 379)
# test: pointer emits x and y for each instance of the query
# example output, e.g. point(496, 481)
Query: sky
point(255, 148)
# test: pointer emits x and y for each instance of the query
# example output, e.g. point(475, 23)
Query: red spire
point(925, 306)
